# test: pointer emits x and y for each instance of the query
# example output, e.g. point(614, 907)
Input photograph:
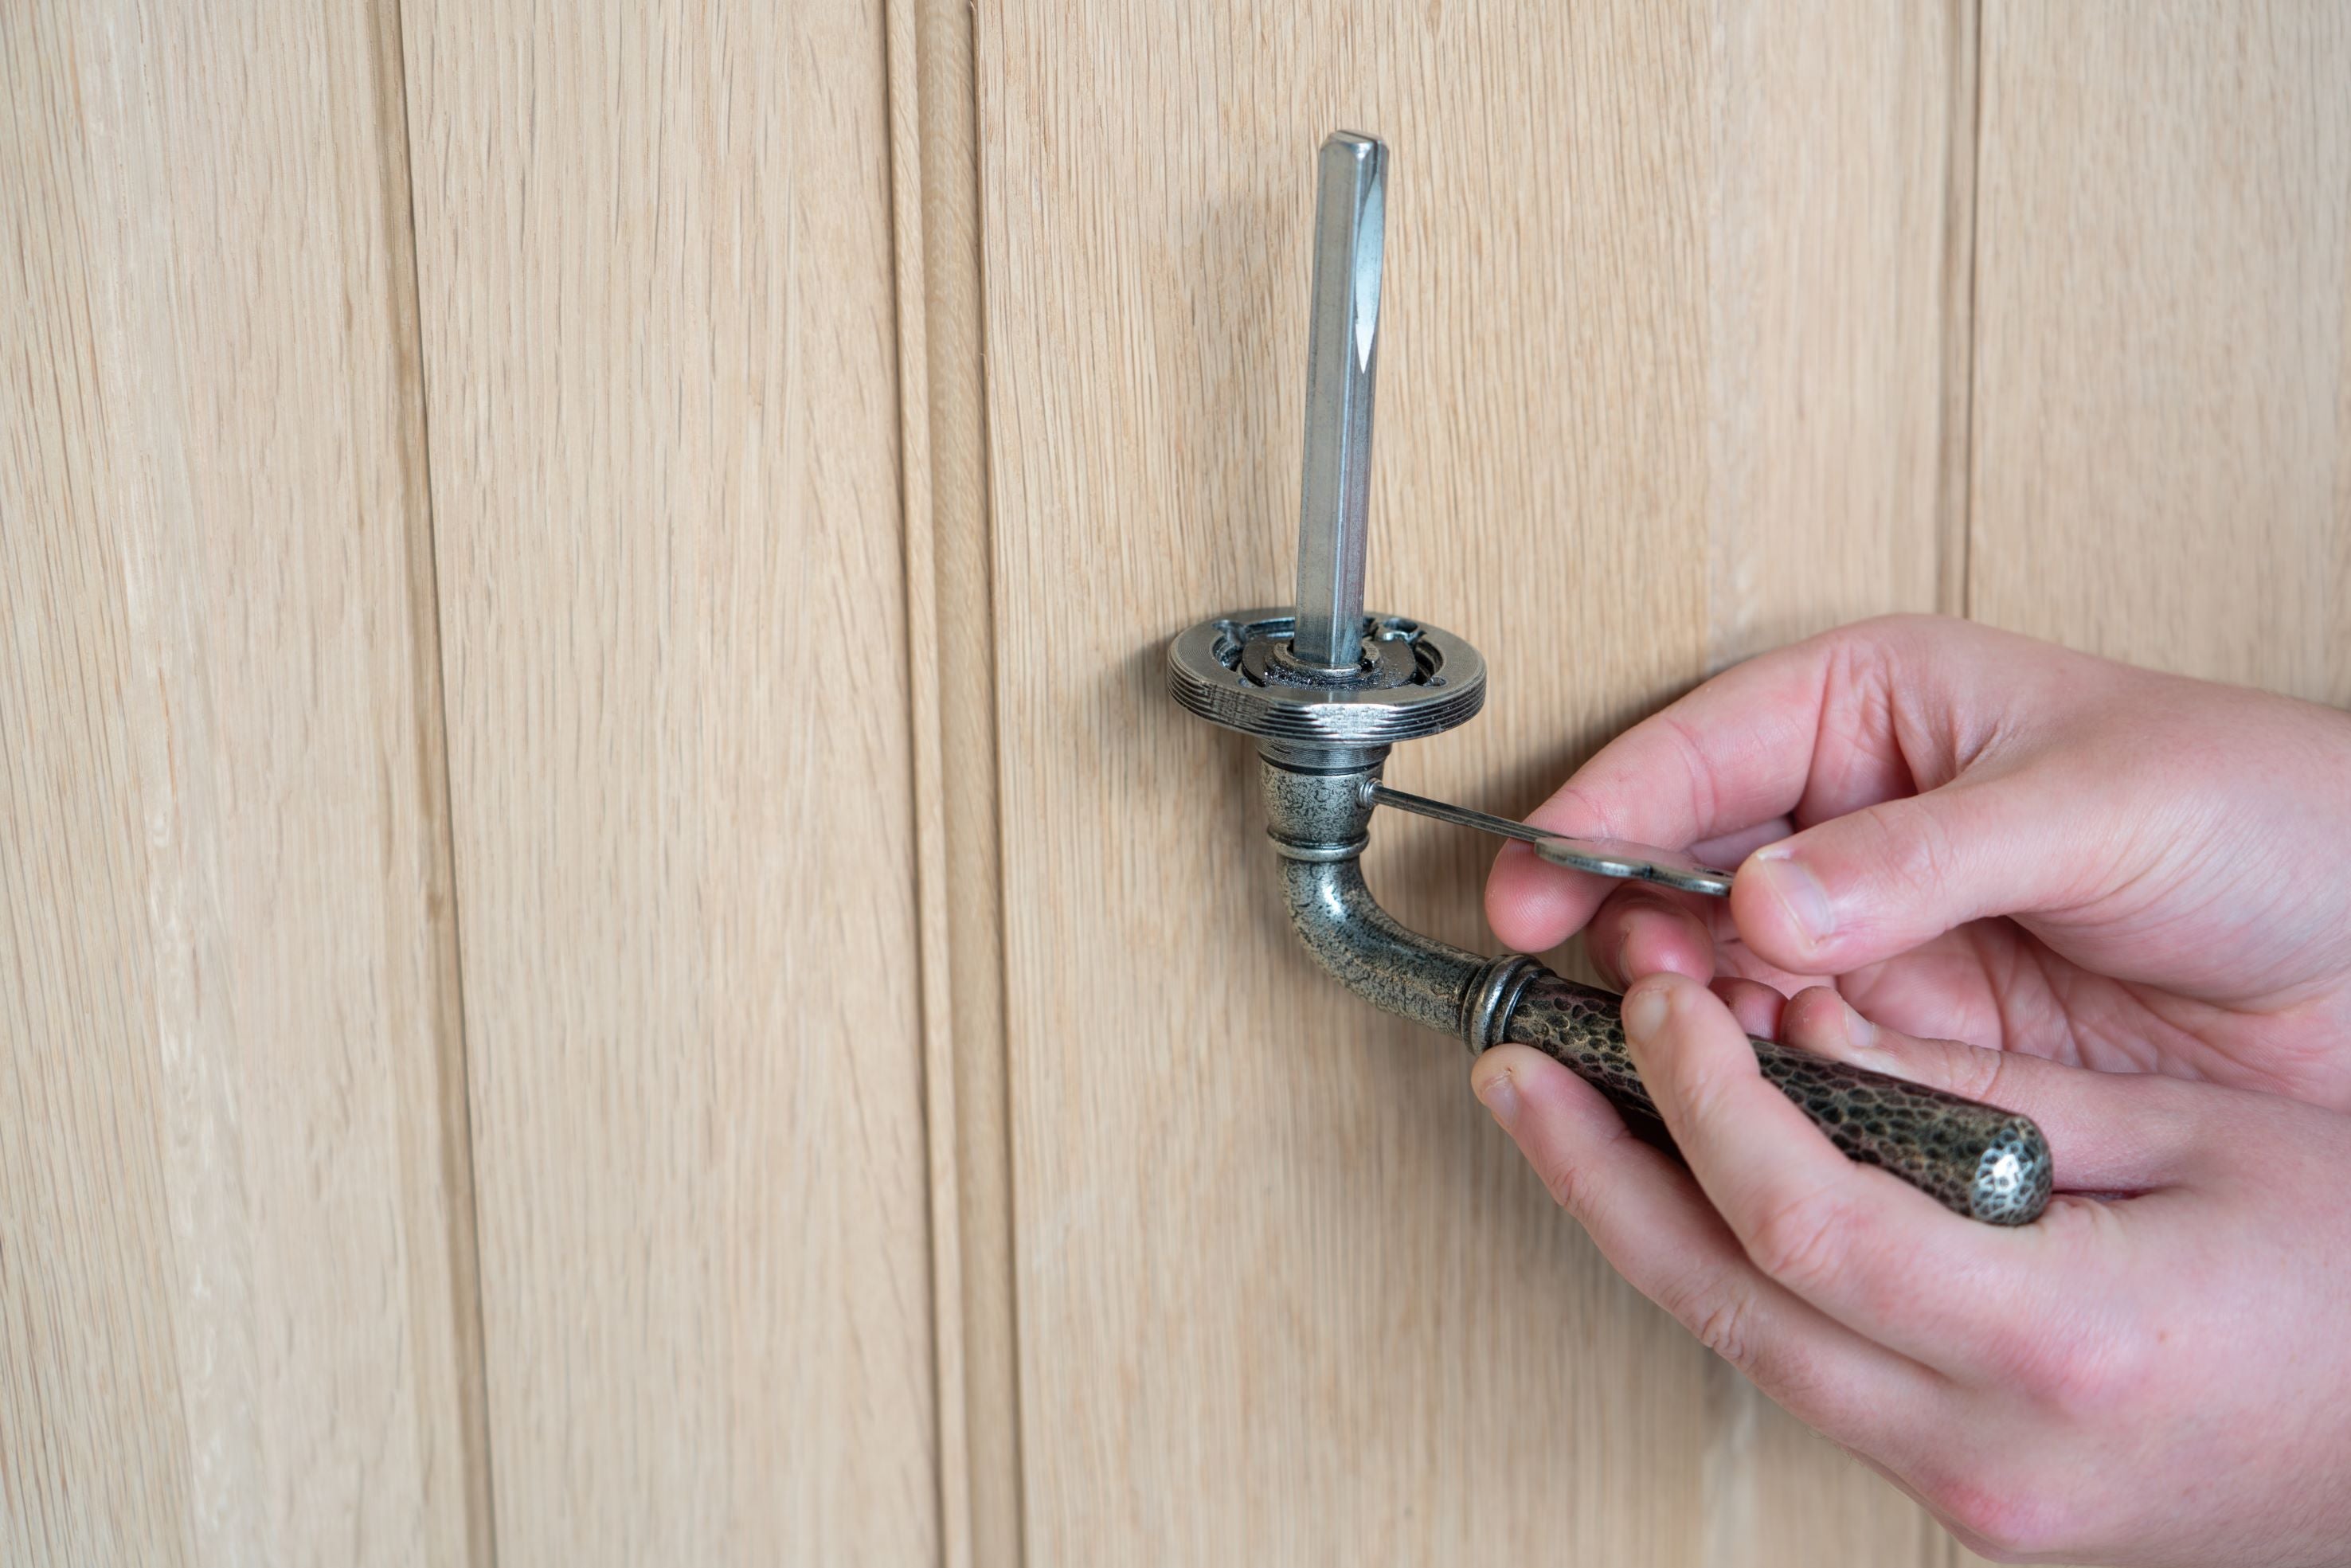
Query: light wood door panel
point(655, 265)
point(420, 812)
point(951, 660)
point(2163, 353)
point(237, 1298)
point(1663, 382)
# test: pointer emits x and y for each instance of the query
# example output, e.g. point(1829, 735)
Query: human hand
point(1978, 837)
point(2153, 1379)
point(2037, 852)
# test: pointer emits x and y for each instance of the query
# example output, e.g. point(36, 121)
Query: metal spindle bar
point(1342, 364)
point(1601, 857)
point(1378, 794)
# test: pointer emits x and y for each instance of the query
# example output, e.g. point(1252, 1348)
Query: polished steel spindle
point(1342, 363)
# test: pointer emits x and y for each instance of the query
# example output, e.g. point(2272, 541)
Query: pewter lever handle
point(1979, 1160)
point(1328, 690)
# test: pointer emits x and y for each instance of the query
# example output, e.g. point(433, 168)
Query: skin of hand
point(2117, 896)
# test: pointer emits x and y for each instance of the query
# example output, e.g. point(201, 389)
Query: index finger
point(1807, 730)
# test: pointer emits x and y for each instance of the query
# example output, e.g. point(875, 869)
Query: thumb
point(1861, 888)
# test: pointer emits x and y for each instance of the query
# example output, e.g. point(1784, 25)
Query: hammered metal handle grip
point(1975, 1159)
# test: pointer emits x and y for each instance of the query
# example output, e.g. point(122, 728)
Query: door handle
point(1328, 691)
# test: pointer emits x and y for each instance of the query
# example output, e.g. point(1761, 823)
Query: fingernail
point(1859, 1031)
point(1500, 1096)
point(1645, 1011)
point(1800, 893)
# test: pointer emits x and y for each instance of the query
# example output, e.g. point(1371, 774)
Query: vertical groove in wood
point(232, 1039)
point(904, 43)
point(1953, 520)
point(453, 1155)
point(929, 825)
point(953, 635)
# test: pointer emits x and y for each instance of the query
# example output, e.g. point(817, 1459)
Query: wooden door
point(611, 953)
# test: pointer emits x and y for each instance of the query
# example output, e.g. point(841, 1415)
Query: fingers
point(2108, 1133)
point(1534, 906)
point(1807, 725)
point(1733, 849)
point(1861, 888)
point(1648, 1218)
point(1642, 931)
point(1870, 1251)
point(1756, 1006)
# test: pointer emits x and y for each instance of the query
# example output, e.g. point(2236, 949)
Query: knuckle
point(1722, 1329)
point(1915, 847)
point(1701, 1095)
point(1569, 1186)
point(1725, 1312)
point(2009, 1517)
point(1575, 810)
point(2094, 1364)
point(1699, 775)
point(1974, 1072)
point(1801, 1242)
point(1863, 660)
point(2084, 1376)
point(1720, 1313)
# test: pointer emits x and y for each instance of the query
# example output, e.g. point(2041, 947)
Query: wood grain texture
point(2162, 464)
point(237, 1295)
point(1662, 383)
point(655, 265)
point(1839, 293)
point(935, 178)
point(934, 904)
